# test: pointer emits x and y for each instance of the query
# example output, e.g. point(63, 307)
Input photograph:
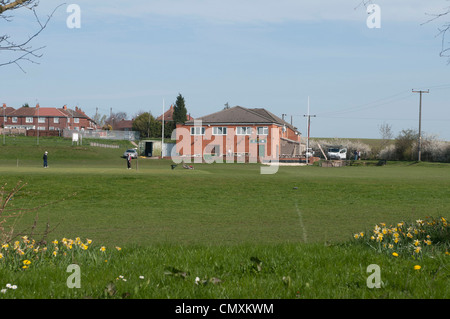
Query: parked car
point(131, 151)
point(337, 153)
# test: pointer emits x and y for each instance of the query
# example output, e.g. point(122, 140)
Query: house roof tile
point(242, 115)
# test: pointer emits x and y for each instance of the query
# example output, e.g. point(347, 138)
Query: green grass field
point(220, 210)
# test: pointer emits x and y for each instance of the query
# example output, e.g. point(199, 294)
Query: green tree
point(179, 110)
point(147, 125)
point(406, 145)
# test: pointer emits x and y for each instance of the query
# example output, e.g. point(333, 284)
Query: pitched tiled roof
point(48, 112)
point(168, 115)
point(6, 110)
point(242, 115)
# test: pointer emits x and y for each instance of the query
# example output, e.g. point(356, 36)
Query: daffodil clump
point(416, 239)
point(26, 253)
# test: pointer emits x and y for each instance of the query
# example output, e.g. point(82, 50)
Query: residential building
point(48, 119)
point(168, 116)
point(238, 134)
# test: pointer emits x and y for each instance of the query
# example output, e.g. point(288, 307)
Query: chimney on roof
point(4, 105)
point(37, 105)
point(65, 107)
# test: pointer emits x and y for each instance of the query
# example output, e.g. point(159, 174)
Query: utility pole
point(4, 123)
point(308, 125)
point(420, 122)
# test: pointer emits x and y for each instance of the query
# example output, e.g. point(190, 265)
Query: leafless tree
point(442, 31)
point(21, 50)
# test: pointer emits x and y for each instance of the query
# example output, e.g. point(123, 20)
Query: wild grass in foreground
point(282, 271)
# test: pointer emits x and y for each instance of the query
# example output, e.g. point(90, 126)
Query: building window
point(244, 130)
point(219, 130)
point(41, 128)
point(263, 130)
point(197, 130)
point(76, 120)
point(41, 119)
point(14, 119)
point(28, 120)
point(56, 120)
point(51, 128)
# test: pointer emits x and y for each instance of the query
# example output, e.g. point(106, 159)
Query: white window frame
point(219, 130)
point(14, 119)
point(76, 120)
point(244, 130)
point(41, 119)
point(56, 120)
point(197, 130)
point(29, 119)
point(264, 129)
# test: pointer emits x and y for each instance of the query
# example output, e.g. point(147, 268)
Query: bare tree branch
point(24, 50)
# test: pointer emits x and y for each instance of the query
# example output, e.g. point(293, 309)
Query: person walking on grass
point(45, 159)
point(129, 161)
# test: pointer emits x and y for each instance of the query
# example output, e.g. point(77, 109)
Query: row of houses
point(45, 118)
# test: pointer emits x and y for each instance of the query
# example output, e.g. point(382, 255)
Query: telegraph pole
point(420, 122)
point(309, 125)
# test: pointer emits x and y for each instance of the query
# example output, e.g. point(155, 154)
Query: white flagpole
point(162, 133)
point(307, 140)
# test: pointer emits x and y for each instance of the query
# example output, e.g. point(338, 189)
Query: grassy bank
point(243, 234)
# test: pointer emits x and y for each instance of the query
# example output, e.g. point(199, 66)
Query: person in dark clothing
point(129, 161)
point(45, 159)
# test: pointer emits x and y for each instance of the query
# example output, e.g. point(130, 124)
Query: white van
point(337, 153)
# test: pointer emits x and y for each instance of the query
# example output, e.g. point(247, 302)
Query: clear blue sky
point(131, 56)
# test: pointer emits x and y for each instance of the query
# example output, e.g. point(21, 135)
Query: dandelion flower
point(417, 267)
point(1, 255)
point(394, 254)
